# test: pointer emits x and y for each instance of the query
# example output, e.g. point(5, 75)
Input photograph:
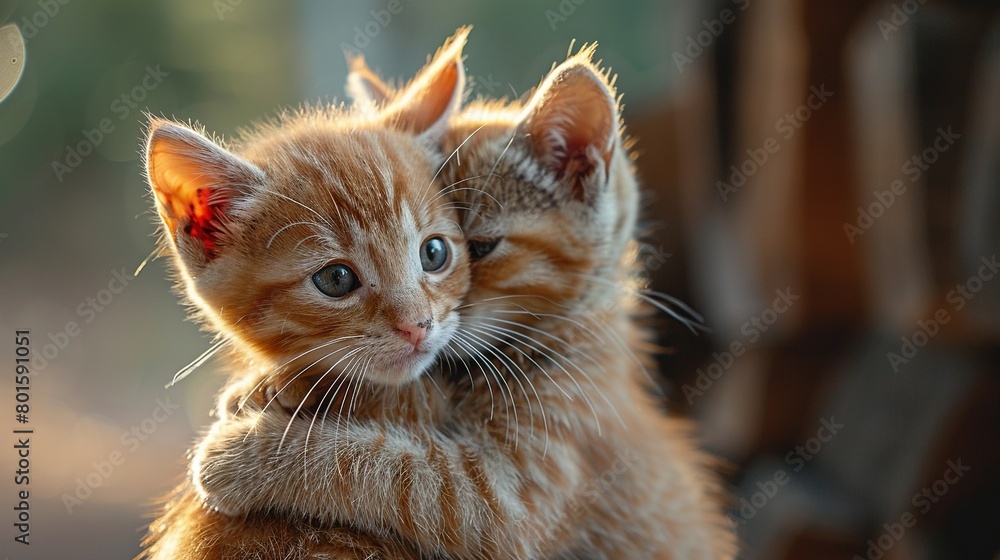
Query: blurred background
point(823, 187)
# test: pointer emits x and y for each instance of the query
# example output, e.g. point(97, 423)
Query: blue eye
point(336, 280)
point(433, 254)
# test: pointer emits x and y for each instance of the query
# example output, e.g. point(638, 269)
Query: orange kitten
point(541, 439)
point(315, 245)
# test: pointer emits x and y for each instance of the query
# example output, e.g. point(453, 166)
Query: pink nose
point(414, 333)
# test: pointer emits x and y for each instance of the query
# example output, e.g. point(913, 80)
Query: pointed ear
point(194, 181)
point(364, 86)
point(424, 105)
point(572, 121)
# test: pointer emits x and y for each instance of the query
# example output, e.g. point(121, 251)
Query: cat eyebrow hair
point(291, 225)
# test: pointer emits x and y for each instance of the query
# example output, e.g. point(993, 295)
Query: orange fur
point(250, 224)
point(534, 437)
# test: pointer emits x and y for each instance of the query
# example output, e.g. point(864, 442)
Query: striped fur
point(249, 223)
point(534, 436)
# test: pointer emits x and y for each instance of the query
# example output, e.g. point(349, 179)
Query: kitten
point(544, 441)
point(314, 245)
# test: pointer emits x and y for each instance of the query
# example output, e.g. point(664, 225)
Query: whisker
point(485, 301)
point(317, 214)
point(454, 360)
point(464, 189)
point(499, 159)
point(540, 368)
point(527, 378)
point(698, 321)
point(445, 191)
point(357, 389)
point(440, 169)
point(284, 364)
point(305, 397)
point(348, 372)
point(304, 239)
point(507, 363)
point(527, 341)
point(291, 225)
point(198, 362)
point(351, 378)
point(693, 323)
point(343, 378)
point(469, 371)
point(582, 372)
point(142, 265)
point(436, 386)
point(313, 349)
point(470, 347)
point(615, 338)
point(354, 347)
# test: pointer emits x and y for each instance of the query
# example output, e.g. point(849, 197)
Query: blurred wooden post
point(832, 269)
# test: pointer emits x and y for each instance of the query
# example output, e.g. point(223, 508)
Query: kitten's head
point(546, 193)
point(320, 242)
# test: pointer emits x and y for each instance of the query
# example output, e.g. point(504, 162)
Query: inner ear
point(194, 181)
point(575, 117)
point(572, 121)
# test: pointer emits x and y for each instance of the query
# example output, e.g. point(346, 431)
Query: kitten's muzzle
point(414, 332)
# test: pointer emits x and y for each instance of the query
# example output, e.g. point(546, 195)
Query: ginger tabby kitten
point(536, 435)
point(316, 242)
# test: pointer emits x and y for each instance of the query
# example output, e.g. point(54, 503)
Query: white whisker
point(198, 362)
point(527, 378)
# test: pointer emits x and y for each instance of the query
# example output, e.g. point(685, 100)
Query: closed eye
point(479, 248)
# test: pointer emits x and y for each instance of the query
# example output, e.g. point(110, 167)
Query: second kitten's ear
point(364, 86)
point(195, 182)
point(572, 121)
point(424, 105)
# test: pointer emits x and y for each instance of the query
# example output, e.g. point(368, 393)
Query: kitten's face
point(546, 198)
point(364, 268)
point(339, 254)
point(322, 245)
